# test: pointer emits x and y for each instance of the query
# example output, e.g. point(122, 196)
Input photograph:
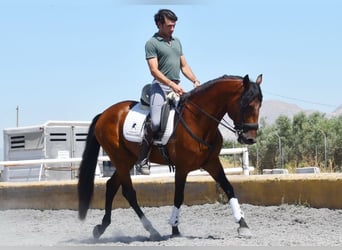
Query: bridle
point(247, 97)
point(238, 129)
point(244, 127)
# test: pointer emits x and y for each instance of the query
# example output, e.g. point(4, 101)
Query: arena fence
point(314, 190)
point(34, 169)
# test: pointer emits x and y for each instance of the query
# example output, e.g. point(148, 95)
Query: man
point(165, 60)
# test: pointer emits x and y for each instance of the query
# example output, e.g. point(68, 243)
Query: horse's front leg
point(243, 230)
point(180, 179)
point(112, 187)
point(218, 174)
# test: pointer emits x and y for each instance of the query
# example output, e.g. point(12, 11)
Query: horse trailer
point(52, 140)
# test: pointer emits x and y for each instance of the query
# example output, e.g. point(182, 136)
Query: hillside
point(338, 111)
point(271, 110)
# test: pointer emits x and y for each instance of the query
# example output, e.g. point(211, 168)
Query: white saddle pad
point(133, 128)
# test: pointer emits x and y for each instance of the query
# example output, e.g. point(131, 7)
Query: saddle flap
point(133, 128)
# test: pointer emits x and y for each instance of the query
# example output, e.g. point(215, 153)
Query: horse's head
point(247, 117)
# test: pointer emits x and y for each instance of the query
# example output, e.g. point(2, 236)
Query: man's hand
point(196, 83)
point(176, 88)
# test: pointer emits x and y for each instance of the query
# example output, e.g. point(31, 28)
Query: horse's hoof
point(98, 231)
point(175, 232)
point(155, 236)
point(176, 235)
point(244, 232)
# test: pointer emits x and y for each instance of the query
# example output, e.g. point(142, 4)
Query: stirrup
point(143, 167)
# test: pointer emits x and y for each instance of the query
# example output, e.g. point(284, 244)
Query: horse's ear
point(246, 81)
point(259, 79)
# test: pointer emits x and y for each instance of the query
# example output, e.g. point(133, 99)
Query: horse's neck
point(219, 97)
point(214, 101)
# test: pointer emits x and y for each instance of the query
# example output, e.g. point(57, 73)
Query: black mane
point(208, 84)
point(247, 96)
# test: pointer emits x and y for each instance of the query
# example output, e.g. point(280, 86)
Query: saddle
point(135, 121)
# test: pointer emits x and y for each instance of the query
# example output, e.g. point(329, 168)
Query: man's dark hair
point(164, 13)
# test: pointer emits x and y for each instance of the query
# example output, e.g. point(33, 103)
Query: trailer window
point(81, 136)
point(58, 137)
point(17, 142)
point(27, 141)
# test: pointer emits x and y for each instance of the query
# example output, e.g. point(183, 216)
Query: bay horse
point(195, 143)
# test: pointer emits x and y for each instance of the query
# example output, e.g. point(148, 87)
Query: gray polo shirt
point(168, 55)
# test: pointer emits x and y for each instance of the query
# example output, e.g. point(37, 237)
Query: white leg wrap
point(237, 213)
point(174, 218)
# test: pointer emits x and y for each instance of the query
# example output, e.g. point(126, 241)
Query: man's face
point(167, 28)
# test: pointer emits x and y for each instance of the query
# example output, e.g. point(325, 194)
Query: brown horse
point(195, 143)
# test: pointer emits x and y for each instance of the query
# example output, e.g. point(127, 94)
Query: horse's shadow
point(116, 239)
point(128, 239)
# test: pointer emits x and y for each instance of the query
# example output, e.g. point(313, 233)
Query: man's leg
point(157, 100)
point(142, 165)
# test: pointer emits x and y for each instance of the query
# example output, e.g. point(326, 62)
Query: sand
point(201, 225)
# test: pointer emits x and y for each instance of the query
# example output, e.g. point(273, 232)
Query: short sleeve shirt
point(168, 55)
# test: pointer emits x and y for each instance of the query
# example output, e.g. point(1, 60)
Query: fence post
point(245, 161)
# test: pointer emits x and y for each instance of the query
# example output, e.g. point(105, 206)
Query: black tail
point(87, 171)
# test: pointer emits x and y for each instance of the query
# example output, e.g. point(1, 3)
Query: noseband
point(245, 127)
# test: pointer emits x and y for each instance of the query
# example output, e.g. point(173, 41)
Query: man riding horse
point(196, 140)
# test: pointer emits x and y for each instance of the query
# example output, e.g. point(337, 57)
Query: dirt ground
point(201, 225)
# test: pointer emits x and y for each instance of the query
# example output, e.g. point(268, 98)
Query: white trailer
point(52, 140)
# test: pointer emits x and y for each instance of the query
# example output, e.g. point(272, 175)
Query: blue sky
point(71, 59)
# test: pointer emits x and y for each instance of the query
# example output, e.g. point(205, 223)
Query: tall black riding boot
point(142, 166)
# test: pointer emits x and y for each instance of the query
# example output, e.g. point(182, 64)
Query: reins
point(195, 137)
point(185, 125)
point(227, 125)
point(238, 129)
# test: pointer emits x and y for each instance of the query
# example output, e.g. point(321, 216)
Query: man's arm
point(187, 72)
point(159, 76)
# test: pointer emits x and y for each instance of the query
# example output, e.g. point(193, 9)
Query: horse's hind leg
point(129, 193)
point(216, 171)
point(112, 187)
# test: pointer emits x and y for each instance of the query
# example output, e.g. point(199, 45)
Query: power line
point(300, 100)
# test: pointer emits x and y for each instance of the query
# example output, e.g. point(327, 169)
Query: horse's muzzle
point(245, 139)
point(247, 133)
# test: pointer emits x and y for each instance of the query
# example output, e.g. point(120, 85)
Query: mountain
point(272, 109)
point(337, 112)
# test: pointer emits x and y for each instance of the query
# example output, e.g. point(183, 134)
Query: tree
point(334, 129)
point(307, 140)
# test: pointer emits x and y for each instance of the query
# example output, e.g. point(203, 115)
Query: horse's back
point(117, 111)
point(111, 121)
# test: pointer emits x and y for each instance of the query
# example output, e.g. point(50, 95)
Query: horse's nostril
point(251, 141)
point(246, 140)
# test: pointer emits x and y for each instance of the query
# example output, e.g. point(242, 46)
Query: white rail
point(226, 151)
point(46, 161)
